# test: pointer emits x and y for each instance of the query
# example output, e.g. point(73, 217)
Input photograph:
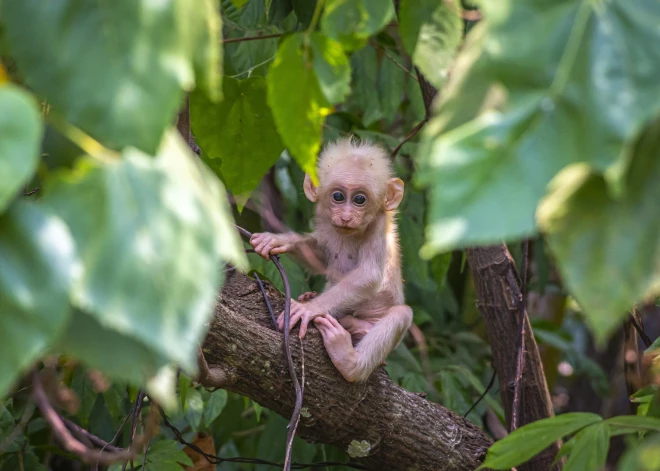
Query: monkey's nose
point(346, 217)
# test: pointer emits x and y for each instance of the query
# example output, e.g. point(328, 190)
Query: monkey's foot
point(339, 346)
point(307, 296)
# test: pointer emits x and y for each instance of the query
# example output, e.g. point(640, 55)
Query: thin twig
point(78, 430)
point(409, 136)
point(267, 301)
point(250, 38)
point(490, 385)
point(639, 327)
point(520, 363)
point(214, 459)
point(63, 435)
point(393, 60)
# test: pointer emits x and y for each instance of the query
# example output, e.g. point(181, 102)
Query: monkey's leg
point(356, 364)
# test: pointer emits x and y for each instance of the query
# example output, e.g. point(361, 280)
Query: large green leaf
point(431, 32)
point(238, 134)
point(529, 440)
point(165, 455)
point(644, 456)
point(20, 137)
point(332, 69)
point(625, 424)
point(391, 82)
point(607, 265)
point(151, 233)
point(299, 116)
point(577, 90)
point(352, 22)
point(115, 70)
point(589, 449)
point(38, 260)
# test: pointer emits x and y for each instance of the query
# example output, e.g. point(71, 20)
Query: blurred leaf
point(632, 423)
point(20, 136)
point(529, 440)
point(299, 116)
point(364, 99)
point(124, 86)
point(431, 32)
point(272, 444)
point(151, 249)
point(352, 22)
point(644, 456)
point(194, 408)
point(589, 450)
point(164, 455)
point(487, 176)
point(594, 247)
point(304, 11)
point(10, 442)
point(295, 273)
point(238, 134)
point(331, 67)
point(113, 353)
point(38, 262)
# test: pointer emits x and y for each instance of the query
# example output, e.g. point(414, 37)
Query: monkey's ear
point(309, 188)
point(394, 194)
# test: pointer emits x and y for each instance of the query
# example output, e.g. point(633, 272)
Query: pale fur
point(363, 268)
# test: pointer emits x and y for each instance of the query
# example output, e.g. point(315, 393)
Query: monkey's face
point(350, 208)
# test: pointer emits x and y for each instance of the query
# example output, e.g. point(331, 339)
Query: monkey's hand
point(307, 296)
point(266, 243)
point(303, 312)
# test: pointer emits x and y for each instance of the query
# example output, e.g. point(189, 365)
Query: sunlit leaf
point(116, 72)
point(351, 22)
point(152, 246)
point(488, 176)
point(529, 440)
point(299, 116)
point(332, 69)
point(431, 32)
point(237, 135)
point(20, 135)
point(38, 262)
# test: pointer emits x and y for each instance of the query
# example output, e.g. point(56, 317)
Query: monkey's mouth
point(344, 229)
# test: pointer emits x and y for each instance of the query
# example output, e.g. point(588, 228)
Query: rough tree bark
point(401, 430)
point(498, 298)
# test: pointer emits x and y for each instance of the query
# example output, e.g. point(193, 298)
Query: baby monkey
point(355, 237)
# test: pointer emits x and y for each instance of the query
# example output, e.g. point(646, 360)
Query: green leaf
point(644, 456)
point(299, 116)
point(20, 138)
point(9, 441)
point(151, 245)
point(268, 270)
point(116, 71)
point(194, 408)
point(165, 455)
point(237, 135)
point(589, 232)
point(497, 169)
point(352, 22)
point(391, 82)
point(214, 406)
point(364, 99)
point(431, 32)
point(38, 260)
point(82, 386)
point(589, 452)
point(632, 423)
point(331, 67)
point(529, 440)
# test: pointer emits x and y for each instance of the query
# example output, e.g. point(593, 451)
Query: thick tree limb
point(402, 430)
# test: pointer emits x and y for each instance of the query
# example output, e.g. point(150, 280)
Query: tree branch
point(395, 429)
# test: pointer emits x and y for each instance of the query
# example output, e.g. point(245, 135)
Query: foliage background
point(545, 129)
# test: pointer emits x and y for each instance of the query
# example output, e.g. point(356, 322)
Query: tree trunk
point(395, 429)
point(498, 299)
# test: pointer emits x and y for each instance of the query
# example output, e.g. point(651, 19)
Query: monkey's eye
point(360, 200)
point(338, 196)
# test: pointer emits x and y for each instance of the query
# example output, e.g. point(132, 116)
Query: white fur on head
point(354, 154)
